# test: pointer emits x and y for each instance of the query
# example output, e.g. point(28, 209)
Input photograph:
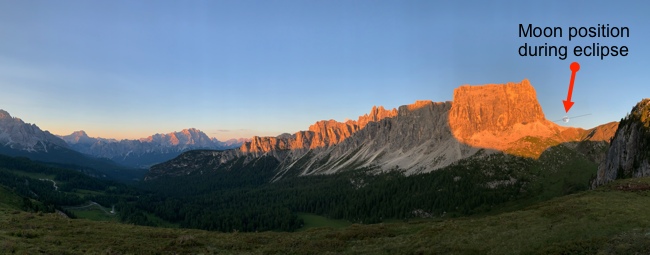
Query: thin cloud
point(230, 130)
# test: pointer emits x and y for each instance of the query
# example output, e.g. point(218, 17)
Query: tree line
point(243, 199)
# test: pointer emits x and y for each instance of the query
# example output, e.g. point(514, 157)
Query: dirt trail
point(56, 188)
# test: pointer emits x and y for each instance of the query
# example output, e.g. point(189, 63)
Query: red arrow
point(574, 69)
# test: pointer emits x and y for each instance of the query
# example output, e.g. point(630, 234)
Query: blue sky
point(129, 69)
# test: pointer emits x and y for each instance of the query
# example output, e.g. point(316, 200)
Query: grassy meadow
point(610, 220)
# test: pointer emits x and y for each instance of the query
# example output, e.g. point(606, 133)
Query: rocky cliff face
point(603, 132)
point(493, 108)
point(321, 134)
point(18, 135)
point(505, 118)
point(420, 137)
point(413, 138)
point(416, 139)
point(146, 151)
point(629, 151)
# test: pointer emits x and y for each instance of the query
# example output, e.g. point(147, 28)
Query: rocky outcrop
point(629, 150)
point(193, 161)
point(417, 139)
point(18, 135)
point(506, 118)
point(493, 108)
point(603, 132)
point(321, 134)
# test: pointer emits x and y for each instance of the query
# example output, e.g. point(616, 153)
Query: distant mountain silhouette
point(145, 152)
point(20, 139)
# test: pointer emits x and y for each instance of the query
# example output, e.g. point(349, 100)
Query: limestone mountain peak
point(4, 114)
point(80, 133)
point(494, 108)
point(16, 134)
point(502, 116)
point(376, 114)
point(77, 137)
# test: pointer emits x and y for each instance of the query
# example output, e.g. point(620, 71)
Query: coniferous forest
point(243, 198)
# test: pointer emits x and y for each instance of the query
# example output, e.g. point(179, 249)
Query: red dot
point(575, 66)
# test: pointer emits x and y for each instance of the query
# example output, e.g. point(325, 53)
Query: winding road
point(56, 188)
point(90, 203)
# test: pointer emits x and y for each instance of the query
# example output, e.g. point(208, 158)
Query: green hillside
point(70, 159)
point(36, 187)
point(9, 200)
point(610, 220)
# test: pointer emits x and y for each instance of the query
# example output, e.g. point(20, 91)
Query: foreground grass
point(611, 220)
point(8, 200)
point(317, 221)
point(95, 213)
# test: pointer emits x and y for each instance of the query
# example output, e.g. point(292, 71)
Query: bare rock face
point(493, 108)
point(18, 135)
point(603, 132)
point(629, 151)
point(321, 134)
point(376, 114)
point(192, 161)
point(505, 118)
point(417, 139)
point(414, 138)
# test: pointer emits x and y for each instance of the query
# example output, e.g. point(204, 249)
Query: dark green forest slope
point(240, 197)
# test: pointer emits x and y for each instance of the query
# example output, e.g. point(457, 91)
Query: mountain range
point(144, 152)
point(20, 139)
point(416, 138)
point(100, 157)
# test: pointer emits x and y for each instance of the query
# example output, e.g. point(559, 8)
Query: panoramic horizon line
point(523, 81)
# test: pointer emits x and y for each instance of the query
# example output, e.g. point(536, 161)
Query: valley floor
point(611, 220)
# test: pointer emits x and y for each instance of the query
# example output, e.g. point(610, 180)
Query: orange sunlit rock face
point(509, 118)
point(321, 134)
point(493, 108)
